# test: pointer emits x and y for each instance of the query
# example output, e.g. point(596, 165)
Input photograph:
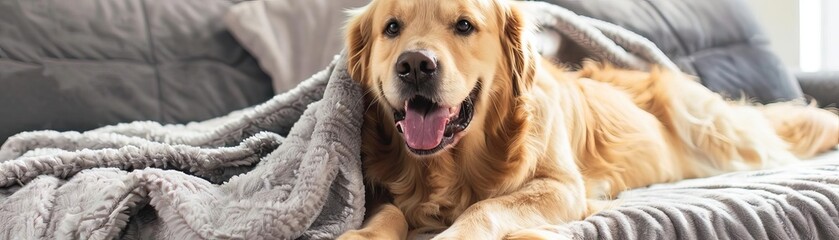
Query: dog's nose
point(415, 66)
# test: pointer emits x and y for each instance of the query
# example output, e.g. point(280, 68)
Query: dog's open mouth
point(428, 127)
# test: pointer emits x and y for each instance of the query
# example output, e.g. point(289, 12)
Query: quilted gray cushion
point(717, 40)
point(821, 86)
point(76, 65)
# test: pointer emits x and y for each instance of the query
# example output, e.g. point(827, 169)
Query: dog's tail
point(808, 130)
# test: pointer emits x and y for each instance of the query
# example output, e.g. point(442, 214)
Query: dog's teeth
point(460, 127)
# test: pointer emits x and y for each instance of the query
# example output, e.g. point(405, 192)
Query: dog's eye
point(392, 29)
point(463, 27)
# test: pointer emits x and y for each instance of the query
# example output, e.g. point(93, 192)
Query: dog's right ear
point(517, 49)
point(358, 36)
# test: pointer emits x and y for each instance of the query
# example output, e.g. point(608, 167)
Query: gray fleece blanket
point(290, 169)
point(294, 162)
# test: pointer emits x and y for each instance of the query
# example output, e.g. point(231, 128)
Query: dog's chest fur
point(431, 192)
point(443, 194)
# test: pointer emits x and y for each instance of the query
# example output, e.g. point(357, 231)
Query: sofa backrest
point(719, 41)
point(78, 65)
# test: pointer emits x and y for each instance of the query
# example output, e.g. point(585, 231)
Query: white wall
point(779, 19)
point(830, 31)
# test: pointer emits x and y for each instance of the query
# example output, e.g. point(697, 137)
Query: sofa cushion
point(77, 65)
point(311, 33)
point(823, 87)
point(717, 40)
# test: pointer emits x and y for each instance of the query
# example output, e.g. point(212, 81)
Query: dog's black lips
point(460, 123)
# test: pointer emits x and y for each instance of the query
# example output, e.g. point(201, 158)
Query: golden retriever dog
point(471, 134)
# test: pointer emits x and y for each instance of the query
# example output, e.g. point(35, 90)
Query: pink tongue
point(424, 132)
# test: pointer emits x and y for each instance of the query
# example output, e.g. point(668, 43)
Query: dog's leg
point(553, 232)
point(560, 232)
point(385, 222)
point(712, 135)
point(540, 202)
point(807, 129)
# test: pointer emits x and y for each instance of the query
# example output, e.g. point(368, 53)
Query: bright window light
point(810, 25)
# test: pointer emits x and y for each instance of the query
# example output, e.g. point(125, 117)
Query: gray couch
point(78, 65)
point(719, 41)
point(81, 65)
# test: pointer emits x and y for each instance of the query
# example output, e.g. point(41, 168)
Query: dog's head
point(432, 64)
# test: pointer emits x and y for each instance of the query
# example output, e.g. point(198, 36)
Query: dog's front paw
point(438, 237)
point(544, 232)
point(361, 235)
point(454, 235)
point(464, 234)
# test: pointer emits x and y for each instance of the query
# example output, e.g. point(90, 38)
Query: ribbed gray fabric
point(796, 202)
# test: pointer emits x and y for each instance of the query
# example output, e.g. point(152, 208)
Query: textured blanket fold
point(290, 169)
point(306, 184)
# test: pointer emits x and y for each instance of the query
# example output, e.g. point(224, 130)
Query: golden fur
point(544, 144)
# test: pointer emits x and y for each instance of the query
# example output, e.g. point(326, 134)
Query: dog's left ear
point(358, 37)
point(518, 50)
